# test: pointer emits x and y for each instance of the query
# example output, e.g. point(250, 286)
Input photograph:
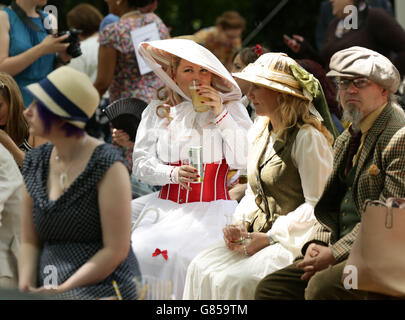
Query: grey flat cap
point(362, 62)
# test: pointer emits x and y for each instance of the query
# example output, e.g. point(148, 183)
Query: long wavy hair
point(16, 126)
point(294, 112)
point(168, 96)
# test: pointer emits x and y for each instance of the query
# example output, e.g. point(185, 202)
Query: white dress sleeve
point(234, 124)
point(11, 182)
point(146, 165)
point(246, 206)
point(313, 157)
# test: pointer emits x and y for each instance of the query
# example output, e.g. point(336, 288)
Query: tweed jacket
point(380, 174)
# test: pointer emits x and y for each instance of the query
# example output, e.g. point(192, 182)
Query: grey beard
point(353, 115)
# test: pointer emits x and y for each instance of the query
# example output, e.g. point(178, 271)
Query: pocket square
point(373, 171)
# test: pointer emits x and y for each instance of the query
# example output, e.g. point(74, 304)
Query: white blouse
point(313, 156)
point(159, 143)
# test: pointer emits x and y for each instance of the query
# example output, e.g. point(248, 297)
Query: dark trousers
point(286, 284)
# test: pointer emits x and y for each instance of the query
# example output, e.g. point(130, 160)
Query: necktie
point(354, 144)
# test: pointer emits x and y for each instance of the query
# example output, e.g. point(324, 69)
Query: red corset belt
point(213, 187)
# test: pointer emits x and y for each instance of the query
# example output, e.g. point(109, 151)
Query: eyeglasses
point(359, 83)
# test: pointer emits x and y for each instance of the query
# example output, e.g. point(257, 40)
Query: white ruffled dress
point(179, 223)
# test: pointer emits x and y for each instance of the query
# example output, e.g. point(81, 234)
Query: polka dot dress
point(70, 227)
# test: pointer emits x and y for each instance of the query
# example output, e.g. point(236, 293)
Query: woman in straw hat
point(76, 205)
point(290, 158)
point(190, 212)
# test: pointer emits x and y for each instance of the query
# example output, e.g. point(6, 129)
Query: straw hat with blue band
point(69, 94)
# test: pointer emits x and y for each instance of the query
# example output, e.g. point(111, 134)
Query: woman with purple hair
point(77, 199)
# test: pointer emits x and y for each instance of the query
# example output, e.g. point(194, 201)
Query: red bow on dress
point(157, 252)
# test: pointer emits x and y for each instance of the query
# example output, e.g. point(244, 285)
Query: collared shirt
point(365, 125)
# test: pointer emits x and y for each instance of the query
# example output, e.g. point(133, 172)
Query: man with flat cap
point(369, 163)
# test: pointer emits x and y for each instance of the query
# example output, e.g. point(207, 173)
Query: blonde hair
point(16, 125)
point(167, 95)
point(294, 112)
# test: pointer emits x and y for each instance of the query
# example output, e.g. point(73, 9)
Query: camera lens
point(74, 50)
point(74, 47)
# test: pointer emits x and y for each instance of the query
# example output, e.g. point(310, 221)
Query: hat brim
point(164, 57)
point(39, 94)
point(273, 85)
point(334, 73)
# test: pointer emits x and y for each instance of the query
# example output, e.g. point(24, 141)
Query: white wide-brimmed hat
point(272, 70)
point(158, 55)
point(67, 93)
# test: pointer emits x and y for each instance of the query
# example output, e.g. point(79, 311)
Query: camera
point(74, 47)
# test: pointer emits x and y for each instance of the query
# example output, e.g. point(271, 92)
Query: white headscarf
point(158, 55)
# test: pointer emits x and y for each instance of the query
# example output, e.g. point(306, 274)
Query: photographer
point(27, 50)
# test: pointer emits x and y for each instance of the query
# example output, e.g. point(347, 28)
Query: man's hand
point(316, 258)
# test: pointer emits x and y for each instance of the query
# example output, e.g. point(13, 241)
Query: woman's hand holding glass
point(215, 102)
point(255, 242)
point(234, 234)
point(186, 174)
point(245, 243)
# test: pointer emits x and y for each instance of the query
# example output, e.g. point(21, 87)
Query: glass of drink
point(195, 155)
point(197, 99)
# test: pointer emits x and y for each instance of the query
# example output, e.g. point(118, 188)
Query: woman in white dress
point(190, 214)
point(290, 158)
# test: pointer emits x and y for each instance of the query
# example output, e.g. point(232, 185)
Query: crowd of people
point(112, 178)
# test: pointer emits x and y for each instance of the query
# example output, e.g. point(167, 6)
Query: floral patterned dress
point(127, 81)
